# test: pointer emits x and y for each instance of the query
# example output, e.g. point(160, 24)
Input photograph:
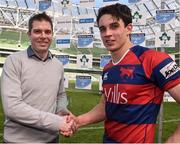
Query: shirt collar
point(31, 54)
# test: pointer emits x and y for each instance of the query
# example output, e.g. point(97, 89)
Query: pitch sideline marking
point(173, 120)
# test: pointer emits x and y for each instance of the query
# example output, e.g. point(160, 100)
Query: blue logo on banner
point(164, 16)
point(137, 38)
point(133, 1)
point(104, 60)
point(86, 20)
point(85, 40)
point(43, 5)
point(83, 81)
point(63, 41)
point(63, 58)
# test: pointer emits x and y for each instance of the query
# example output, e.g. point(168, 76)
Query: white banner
point(66, 4)
point(138, 39)
point(165, 39)
point(85, 41)
point(86, 24)
point(165, 16)
point(84, 61)
point(63, 24)
point(139, 18)
point(64, 59)
point(63, 41)
point(87, 3)
point(83, 82)
point(97, 40)
point(44, 5)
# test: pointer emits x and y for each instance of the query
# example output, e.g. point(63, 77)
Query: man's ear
point(129, 28)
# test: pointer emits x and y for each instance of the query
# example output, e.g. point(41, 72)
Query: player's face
point(41, 36)
point(113, 32)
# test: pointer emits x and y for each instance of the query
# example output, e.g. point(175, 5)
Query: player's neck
point(117, 56)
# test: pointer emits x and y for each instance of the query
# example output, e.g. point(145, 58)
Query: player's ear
point(129, 28)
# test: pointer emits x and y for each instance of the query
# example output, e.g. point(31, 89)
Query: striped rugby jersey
point(133, 91)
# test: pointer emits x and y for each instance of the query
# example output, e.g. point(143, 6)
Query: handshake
point(69, 125)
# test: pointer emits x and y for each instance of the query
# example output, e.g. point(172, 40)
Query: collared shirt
point(31, 54)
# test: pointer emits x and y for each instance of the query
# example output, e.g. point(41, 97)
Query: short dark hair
point(119, 11)
point(39, 17)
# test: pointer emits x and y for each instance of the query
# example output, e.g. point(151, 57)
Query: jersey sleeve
point(161, 69)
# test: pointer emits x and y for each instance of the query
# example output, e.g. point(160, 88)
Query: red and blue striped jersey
point(133, 91)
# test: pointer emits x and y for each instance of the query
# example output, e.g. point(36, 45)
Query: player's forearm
point(174, 92)
point(97, 114)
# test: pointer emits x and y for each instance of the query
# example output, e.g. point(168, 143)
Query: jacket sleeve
point(18, 110)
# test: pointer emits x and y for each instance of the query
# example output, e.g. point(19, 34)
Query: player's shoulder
point(144, 53)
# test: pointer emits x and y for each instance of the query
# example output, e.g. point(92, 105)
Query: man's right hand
point(69, 125)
